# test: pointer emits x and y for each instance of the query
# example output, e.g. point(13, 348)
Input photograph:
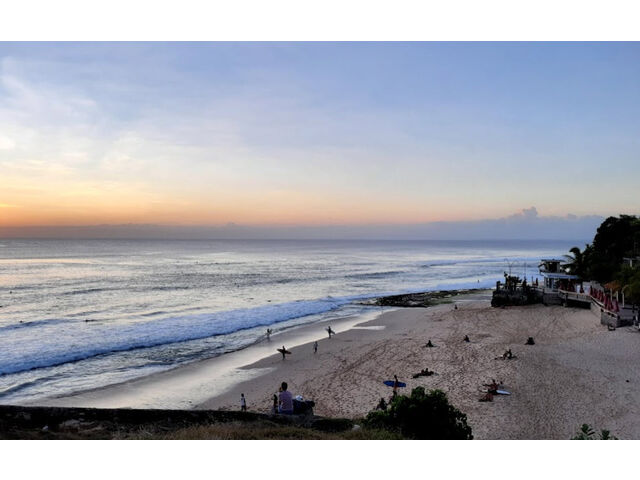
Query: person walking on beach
point(269, 331)
point(395, 385)
point(243, 403)
point(315, 347)
point(330, 332)
point(285, 400)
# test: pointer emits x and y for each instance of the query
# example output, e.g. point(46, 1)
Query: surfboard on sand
point(287, 352)
point(389, 383)
point(503, 392)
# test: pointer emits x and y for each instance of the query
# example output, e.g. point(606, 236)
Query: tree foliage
point(424, 416)
point(588, 433)
point(575, 263)
point(629, 279)
point(616, 238)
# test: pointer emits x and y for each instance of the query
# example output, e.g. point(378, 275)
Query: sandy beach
point(577, 372)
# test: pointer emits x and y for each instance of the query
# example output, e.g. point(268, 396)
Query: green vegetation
point(92, 424)
point(602, 260)
point(261, 430)
point(424, 416)
point(588, 433)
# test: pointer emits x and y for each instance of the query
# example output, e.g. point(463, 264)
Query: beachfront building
point(554, 275)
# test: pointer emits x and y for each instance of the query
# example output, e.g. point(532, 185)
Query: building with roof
point(554, 274)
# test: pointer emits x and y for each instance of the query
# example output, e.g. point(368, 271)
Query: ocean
point(81, 314)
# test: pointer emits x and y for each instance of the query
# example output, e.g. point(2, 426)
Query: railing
point(625, 313)
point(580, 297)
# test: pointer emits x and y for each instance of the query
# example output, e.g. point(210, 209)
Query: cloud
point(529, 227)
point(217, 133)
point(525, 214)
point(6, 143)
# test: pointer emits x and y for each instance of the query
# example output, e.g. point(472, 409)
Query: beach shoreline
point(577, 372)
point(187, 386)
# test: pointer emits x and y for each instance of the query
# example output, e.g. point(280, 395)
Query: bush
point(424, 416)
point(587, 433)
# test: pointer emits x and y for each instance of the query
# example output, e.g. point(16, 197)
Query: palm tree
point(575, 263)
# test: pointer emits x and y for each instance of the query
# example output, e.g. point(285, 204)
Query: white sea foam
point(42, 347)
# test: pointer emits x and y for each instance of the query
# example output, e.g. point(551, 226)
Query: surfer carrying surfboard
point(283, 351)
point(330, 331)
point(395, 383)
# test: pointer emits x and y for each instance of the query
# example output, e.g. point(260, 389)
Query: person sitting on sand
point(423, 373)
point(487, 397)
point(285, 398)
point(382, 405)
point(493, 386)
point(507, 355)
point(274, 408)
point(429, 344)
point(530, 341)
point(466, 339)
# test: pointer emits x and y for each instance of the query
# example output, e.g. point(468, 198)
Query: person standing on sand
point(285, 400)
point(243, 403)
point(315, 347)
point(330, 332)
point(395, 385)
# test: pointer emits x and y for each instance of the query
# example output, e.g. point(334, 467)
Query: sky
point(318, 135)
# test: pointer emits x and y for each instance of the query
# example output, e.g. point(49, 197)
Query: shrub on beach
point(588, 433)
point(422, 415)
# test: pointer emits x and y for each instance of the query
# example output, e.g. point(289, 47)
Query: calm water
point(81, 314)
